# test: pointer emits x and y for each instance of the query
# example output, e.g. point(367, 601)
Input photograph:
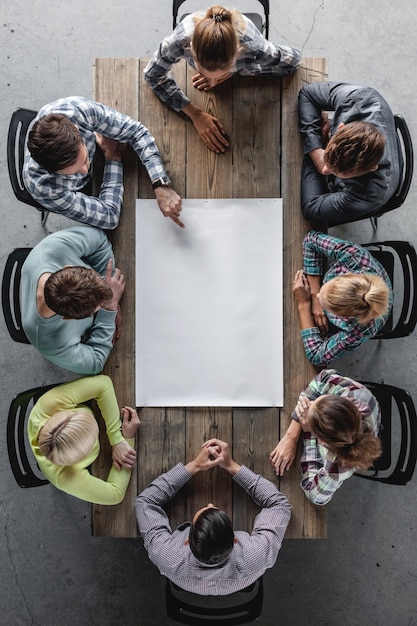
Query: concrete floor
point(53, 572)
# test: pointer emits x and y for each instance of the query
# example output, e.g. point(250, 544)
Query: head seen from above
point(214, 43)
point(362, 296)
point(68, 437)
point(211, 537)
point(355, 149)
point(56, 145)
point(76, 292)
point(338, 424)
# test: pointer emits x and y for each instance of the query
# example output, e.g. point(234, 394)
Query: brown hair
point(356, 148)
point(364, 296)
point(214, 40)
point(68, 437)
point(54, 142)
point(337, 422)
point(76, 292)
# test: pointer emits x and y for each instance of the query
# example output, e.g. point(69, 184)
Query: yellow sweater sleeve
point(76, 479)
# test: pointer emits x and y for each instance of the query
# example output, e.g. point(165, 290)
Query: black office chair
point(22, 461)
point(405, 149)
point(262, 24)
point(401, 470)
point(10, 294)
point(242, 607)
point(387, 252)
point(19, 127)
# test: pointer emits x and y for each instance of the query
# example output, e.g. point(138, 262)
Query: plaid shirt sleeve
point(257, 55)
point(320, 479)
point(61, 194)
point(170, 50)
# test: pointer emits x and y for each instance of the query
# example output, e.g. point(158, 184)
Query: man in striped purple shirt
point(206, 556)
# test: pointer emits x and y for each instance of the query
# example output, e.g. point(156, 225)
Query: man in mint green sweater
point(70, 298)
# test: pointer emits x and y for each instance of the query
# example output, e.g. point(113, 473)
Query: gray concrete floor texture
point(53, 572)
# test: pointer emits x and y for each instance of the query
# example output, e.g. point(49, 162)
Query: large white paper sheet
point(209, 304)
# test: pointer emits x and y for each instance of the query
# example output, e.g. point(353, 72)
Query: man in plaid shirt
point(60, 151)
point(206, 556)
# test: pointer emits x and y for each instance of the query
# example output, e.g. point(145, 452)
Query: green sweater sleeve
point(75, 479)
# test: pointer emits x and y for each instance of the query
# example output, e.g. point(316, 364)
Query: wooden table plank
point(256, 137)
point(214, 485)
point(307, 520)
point(116, 84)
point(216, 182)
point(253, 431)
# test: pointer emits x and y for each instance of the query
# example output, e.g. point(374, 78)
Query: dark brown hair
point(337, 422)
point(211, 538)
point(54, 142)
point(214, 40)
point(355, 148)
point(76, 292)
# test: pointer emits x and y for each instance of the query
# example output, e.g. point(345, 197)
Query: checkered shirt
point(321, 473)
point(256, 55)
point(347, 257)
point(61, 193)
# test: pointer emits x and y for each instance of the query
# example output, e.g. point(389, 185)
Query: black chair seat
point(262, 24)
point(10, 294)
point(403, 317)
point(404, 442)
point(22, 461)
point(242, 607)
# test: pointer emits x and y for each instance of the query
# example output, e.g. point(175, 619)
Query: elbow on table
point(317, 498)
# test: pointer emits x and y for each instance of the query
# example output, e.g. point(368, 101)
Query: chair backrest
point(242, 607)
point(22, 461)
point(20, 124)
point(386, 252)
point(405, 150)
point(404, 443)
point(261, 24)
point(10, 294)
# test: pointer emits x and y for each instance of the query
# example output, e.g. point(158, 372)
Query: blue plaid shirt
point(321, 473)
point(60, 193)
point(347, 257)
point(255, 55)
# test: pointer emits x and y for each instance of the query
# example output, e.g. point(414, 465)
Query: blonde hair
point(364, 296)
point(68, 437)
point(337, 422)
point(214, 40)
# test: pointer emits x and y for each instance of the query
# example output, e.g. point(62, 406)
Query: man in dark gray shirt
point(351, 165)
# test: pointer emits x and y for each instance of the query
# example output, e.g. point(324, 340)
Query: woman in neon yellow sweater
point(63, 435)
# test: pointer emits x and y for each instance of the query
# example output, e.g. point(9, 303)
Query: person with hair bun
point(340, 419)
point(218, 44)
point(63, 434)
point(345, 306)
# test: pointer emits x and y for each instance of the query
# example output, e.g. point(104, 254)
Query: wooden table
point(260, 115)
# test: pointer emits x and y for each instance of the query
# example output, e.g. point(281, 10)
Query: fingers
point(109, 269)
point(176, 219)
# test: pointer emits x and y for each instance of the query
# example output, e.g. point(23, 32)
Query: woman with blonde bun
point(340, 420)
point(345, 306)
point(217, 43)
point(63, 434)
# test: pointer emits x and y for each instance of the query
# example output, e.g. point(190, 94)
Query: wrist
point(232, 468)
point(192, 467)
